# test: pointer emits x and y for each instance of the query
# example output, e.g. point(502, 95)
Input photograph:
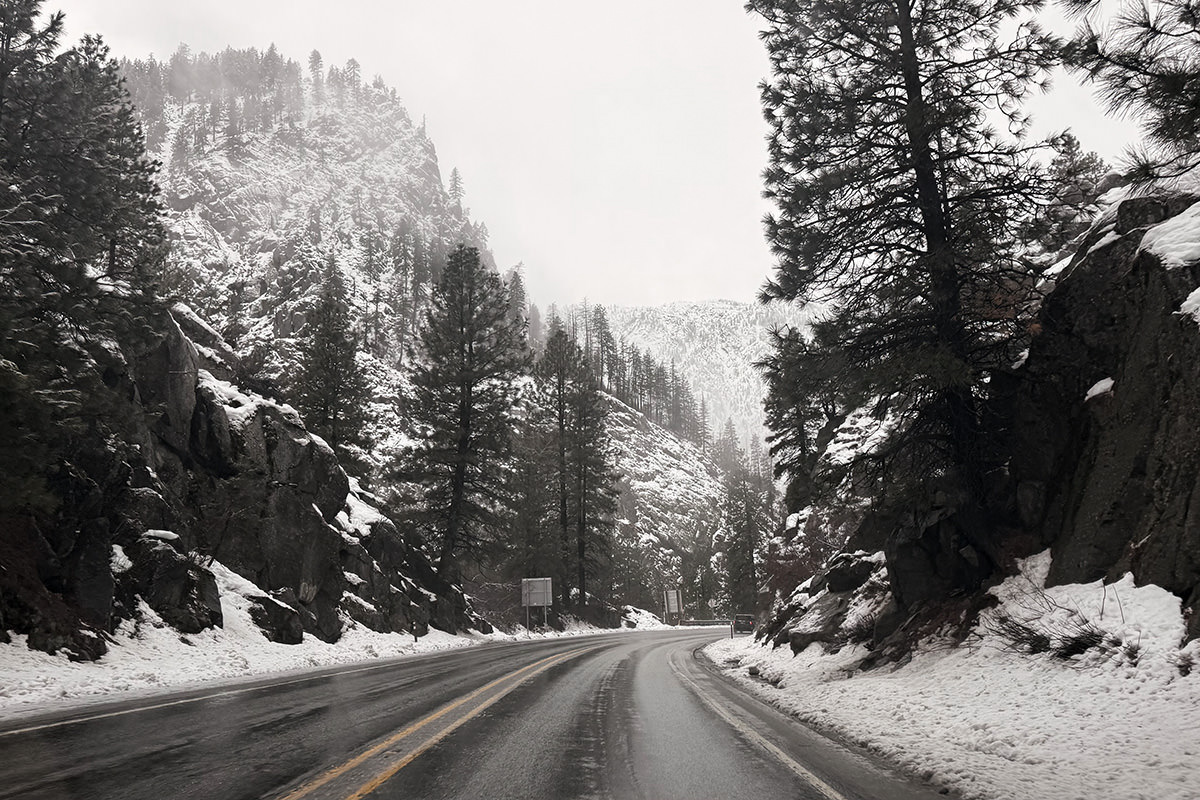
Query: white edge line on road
point(799, 769)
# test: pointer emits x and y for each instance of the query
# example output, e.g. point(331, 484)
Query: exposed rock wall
point(1112, 481)
point(192, 470)
point(1097, 431)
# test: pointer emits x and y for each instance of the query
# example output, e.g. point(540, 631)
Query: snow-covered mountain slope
point(714, 345)
point(268, 190)
point(668, 504)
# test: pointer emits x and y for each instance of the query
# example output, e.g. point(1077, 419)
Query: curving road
point(637, 715)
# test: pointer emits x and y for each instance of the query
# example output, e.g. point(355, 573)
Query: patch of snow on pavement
point(987, 722)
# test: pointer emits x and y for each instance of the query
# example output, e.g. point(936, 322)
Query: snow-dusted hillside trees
point(714, 346)
point(635, 375)
point(275, 175)
point(156, 443)
point(692, 532)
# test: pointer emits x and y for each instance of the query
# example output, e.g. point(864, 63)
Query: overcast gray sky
point(614, 147)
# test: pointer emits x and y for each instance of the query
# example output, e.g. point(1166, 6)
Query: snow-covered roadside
point(1119, 721)
point(150, 657)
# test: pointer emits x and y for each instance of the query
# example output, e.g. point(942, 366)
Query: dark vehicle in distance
point(743, 623)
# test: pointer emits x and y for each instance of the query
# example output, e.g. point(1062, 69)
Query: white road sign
point(674, 606)
point(537, 592)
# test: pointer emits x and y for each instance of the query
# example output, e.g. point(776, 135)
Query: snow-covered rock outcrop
point(1096, 433)
point(1111, 479)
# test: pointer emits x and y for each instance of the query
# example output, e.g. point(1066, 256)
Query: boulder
point(179, 590)
point(28, 607)
point(278, 621)
point(820, 622)
point(1140, 212)
point(848, 571)
point(936, 557)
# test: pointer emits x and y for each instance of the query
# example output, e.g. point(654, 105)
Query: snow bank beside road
point(1117, 721)
point(150, 657)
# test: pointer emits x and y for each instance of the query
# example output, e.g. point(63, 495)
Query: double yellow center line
point(507, 683)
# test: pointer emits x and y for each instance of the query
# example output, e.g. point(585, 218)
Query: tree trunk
point(958, 402)
point(581, 535)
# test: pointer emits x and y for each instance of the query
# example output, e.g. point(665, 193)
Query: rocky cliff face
point(1105, 450)
point(203, 471)
point(1096, 429)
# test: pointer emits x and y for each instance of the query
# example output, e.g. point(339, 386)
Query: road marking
point(532, 669)
point(168, 704)
point(749, 733)
point(390, 773)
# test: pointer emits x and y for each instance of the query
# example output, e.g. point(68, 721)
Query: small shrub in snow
point(1132, 652)
point(1019, 636)
point(1079, 642)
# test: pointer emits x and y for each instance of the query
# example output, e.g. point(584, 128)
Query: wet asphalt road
point(616, 716)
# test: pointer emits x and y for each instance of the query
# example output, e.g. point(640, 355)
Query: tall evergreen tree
point(557, 369)
point(593, 480)
point(1074, 183)
point(517, 303)
point(535, 327)
point(743, 526)
point(81, 244)
point(331, 389)
point(464, 379)
point(534, 547)
point(316, 72)
point(898, 203)
point(582, 476)
point(455, 189)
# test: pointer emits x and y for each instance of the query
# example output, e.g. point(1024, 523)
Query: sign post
point(536, 592)
point(672, 603)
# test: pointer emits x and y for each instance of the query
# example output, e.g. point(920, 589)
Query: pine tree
point(464, 376)
point(1074, 180)
point(534, 550)
point(456, 190)
point(331, 388)
point(899, 204)
point(727, 451)
point(558, 367)
point(353, 76)
point(582, 477)
point(535, 327)
point(81, 246)
point(743, 525)
point(316, 71)
point(593, 479)
point(1146, 63)
point(516, 293)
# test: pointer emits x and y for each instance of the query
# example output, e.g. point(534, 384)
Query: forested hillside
point(303, 368)
point(714, 346)
point(285, 184)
